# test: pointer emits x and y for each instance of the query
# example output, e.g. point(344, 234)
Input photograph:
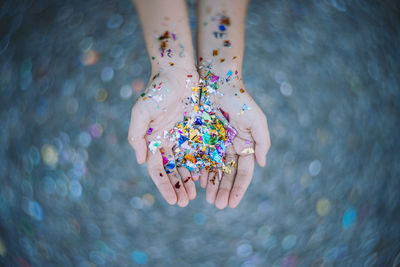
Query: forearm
point(221, 32)
point(167, 33)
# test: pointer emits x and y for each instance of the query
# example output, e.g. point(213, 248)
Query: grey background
point(326, 73)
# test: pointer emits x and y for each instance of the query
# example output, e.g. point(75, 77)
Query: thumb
point(137, 130)
point(261, 137)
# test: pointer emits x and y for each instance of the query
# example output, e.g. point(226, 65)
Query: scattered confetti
point(225, 114)
point(228, 167)
point(219, 35)
point(203, 136)
point(356, 169)
point(224, 22)
point(245, 107)
point(154, 145)
point(227, 43)
point(163, 39)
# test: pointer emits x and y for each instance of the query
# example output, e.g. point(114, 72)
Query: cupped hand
point(157, 110)
point(251, 142)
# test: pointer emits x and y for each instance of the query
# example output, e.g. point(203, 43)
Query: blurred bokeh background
point(326, 73)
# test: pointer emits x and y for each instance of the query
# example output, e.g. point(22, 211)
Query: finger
point(261, 136)
point(203, 178)
point(175, 178)
point(243, 178)
point(195, 176)
point(160, 177)
point(227, 182)
point(188, 182)
point(137, 130)
point(212, 187)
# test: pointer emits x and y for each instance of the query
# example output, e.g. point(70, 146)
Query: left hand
point(252, 139)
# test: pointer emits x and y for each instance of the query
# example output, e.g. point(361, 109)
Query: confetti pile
point(202, 137)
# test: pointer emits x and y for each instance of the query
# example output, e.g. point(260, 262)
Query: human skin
point(161, 106)
point(251, 125)
point(160, 109)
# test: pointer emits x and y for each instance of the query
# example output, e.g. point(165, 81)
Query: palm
point(164, 105)
point(251, 126)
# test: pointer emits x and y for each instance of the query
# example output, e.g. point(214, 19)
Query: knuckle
point(223, 190)
point(163, 185)
point(237, 190)
point(264, 118)
point(159, 180)
point(243, 172)
point(230, 153)
point(135, 111)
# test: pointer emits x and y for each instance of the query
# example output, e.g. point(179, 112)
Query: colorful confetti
point(202, 137)
point(224, 22)
point(154, 145)
point(163, 39)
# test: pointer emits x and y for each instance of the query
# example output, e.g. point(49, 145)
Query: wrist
point(225, 77)
point(173, 66)
point(222, 69)
point(178, 75)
